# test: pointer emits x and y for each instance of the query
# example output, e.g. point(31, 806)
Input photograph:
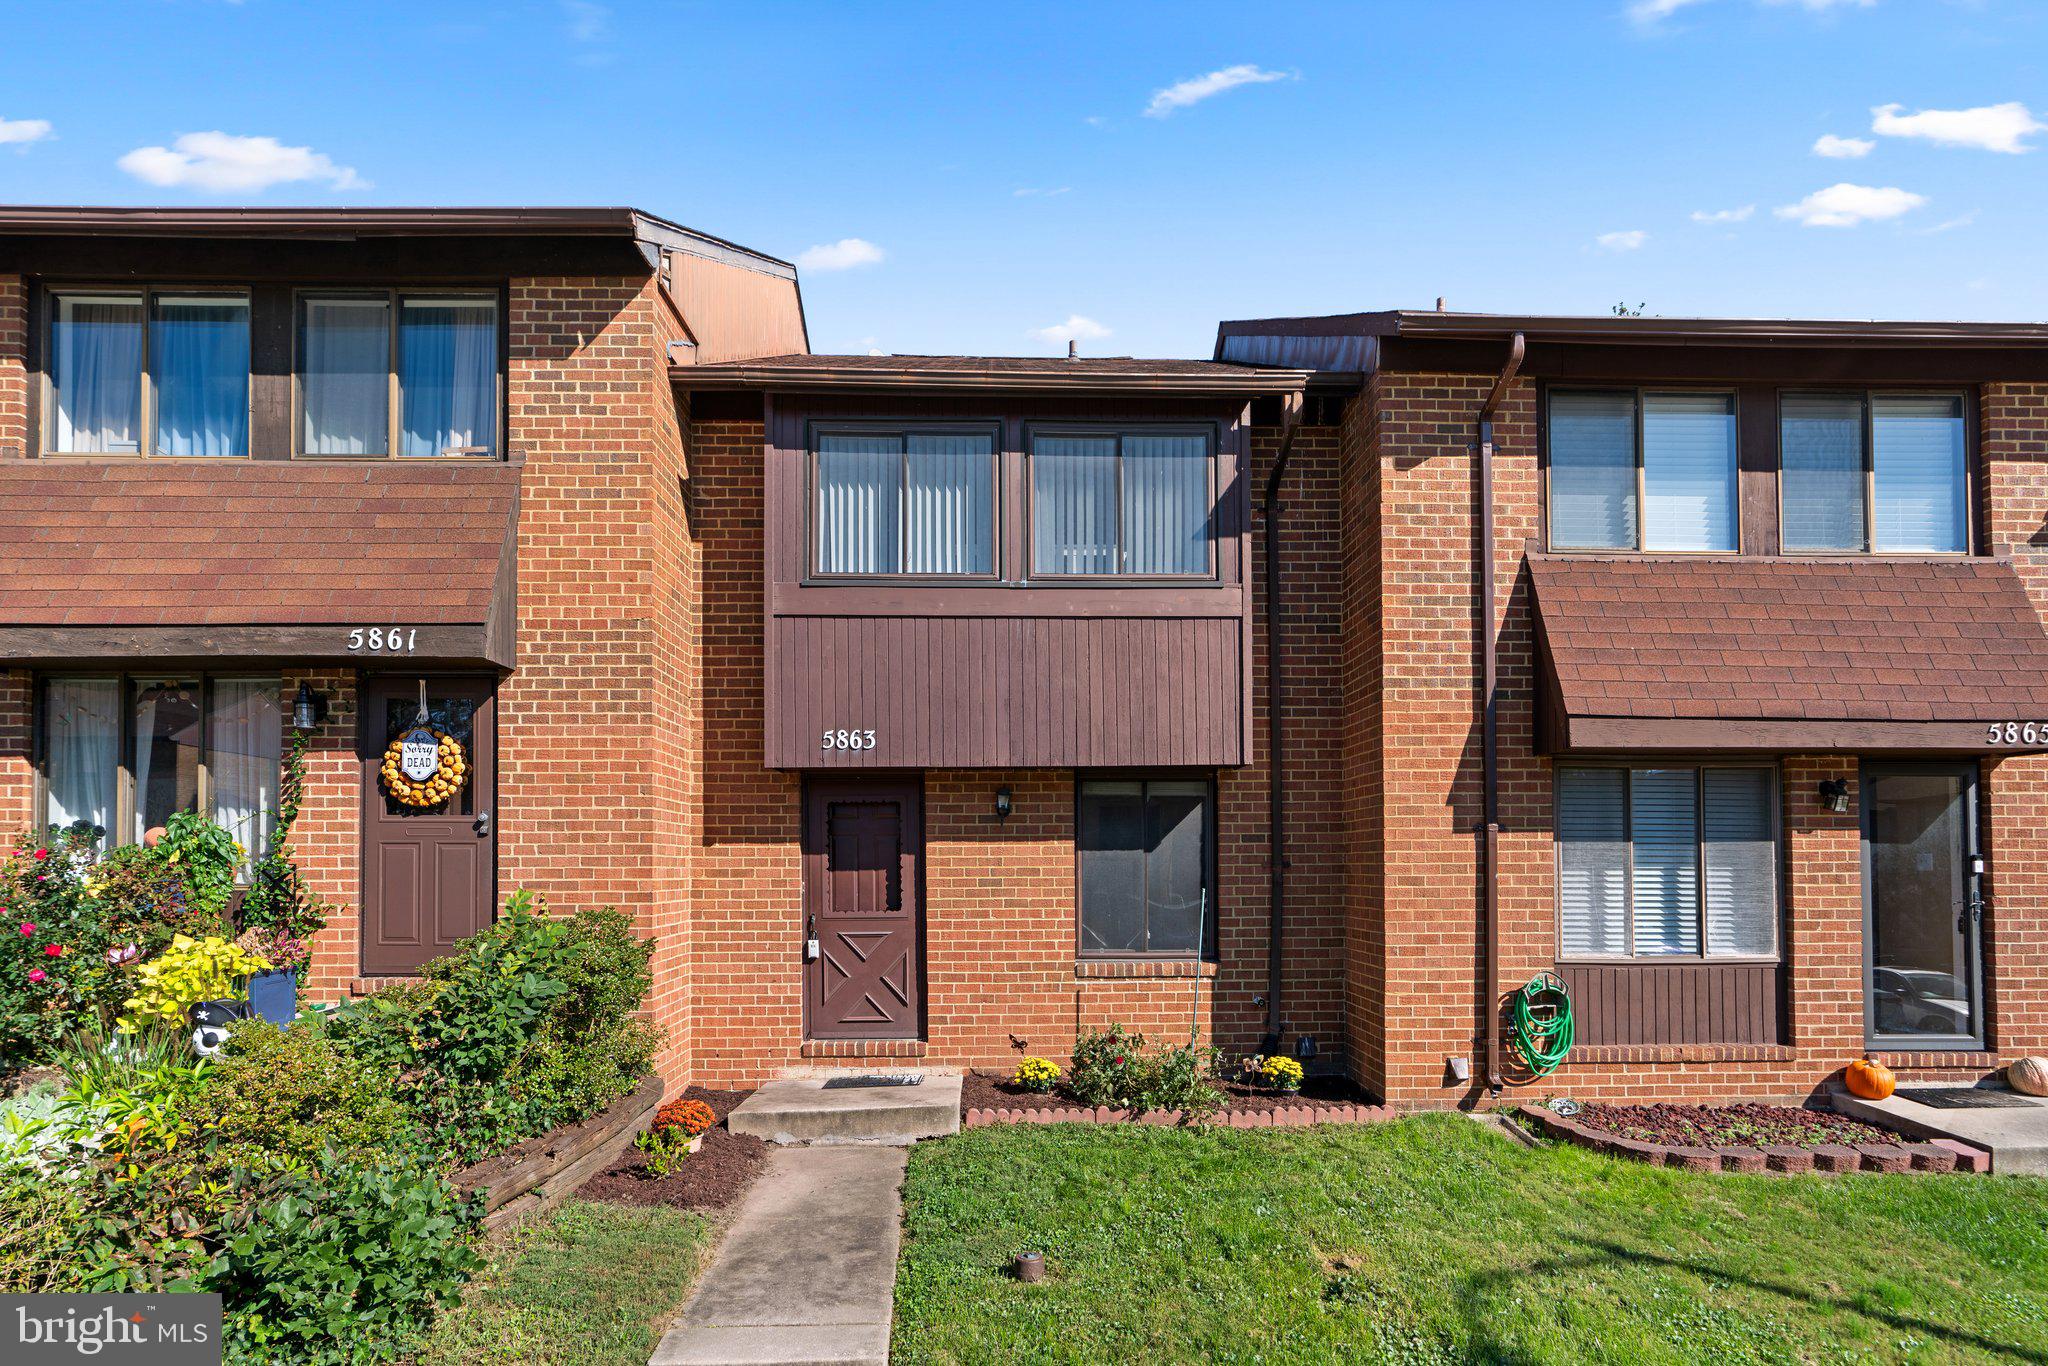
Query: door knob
point(483, 822)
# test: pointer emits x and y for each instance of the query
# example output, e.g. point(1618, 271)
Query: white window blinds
point(1820, 450)
point(1592, 861)
point(1689, 472)
point(916, 503)
point(1664, 881)
point(1593, 471)
point(1918, 468)
point(1741, 862)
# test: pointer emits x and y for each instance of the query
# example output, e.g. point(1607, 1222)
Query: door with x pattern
point(863, 909)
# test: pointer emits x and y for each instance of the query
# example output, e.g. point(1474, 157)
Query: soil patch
point(993, 1091)
point(710, 1179)
point(1707, 1126)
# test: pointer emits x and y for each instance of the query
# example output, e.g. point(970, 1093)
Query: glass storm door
point(1922, 887)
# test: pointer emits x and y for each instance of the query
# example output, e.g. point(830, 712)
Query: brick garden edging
point(1286, 1117)
point(1940, 1155)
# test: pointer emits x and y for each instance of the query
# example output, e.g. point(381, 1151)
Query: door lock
point(811, 952)
point(483, 823)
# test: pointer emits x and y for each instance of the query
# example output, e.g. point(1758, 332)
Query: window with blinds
point(1121, 503)
point(1879, 472)
point(904, 503)
point(1642, 470)
point(1666, 860)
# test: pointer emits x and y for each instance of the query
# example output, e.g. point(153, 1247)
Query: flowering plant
point(673, 1135)
point(1279, 1073)
point(693, 1117)
point(279, 947)
point(1036, 1074)
point(54, 971)
point(188, 972)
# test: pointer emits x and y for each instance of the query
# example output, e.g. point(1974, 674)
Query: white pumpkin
point(2029, 1076)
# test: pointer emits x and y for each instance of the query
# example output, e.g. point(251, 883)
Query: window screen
point(1143, 848)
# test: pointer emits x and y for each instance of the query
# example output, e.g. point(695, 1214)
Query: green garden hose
point(1542, 1021)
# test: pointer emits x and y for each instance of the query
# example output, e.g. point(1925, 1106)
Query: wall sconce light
point(1002, 803)
point(1834, 795)
point(309, 708)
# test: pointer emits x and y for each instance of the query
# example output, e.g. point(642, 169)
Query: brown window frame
point(817, 427)
point(1207, 952)
point(127, 680)
point(1699, 766)
point(1033, 430)
point(394, 298)
point(1638, 392)
point(148, 292)
point(1864, 395)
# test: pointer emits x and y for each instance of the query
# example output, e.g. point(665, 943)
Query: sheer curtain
point(166, 757)
point(96, 373)
point(199, 361)
point(83, 725)
point(1593, 471)
point(447, 376)
point(1821, 456)
point(244, 752)
point(1166, 504)
point(1074, 505)
point(1917, 458)
point(859, 503)
point(345, 376)
point(949, 504)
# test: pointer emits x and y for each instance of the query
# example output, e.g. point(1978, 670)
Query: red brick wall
point(14, 386)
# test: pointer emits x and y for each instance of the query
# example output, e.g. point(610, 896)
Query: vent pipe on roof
point(1073, 349)
point(1439, 303)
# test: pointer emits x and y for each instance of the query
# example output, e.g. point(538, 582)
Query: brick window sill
point(1966, 1059)
point(1112, 968)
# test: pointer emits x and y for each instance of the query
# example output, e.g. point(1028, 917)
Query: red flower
point(42, 853)
point(36, 974)
point(28, 927)
point(53, 950)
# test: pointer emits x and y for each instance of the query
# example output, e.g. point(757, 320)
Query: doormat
point(875, 1079)
point(1964, 1098)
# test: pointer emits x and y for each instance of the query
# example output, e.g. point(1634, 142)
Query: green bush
point(279, 1097)
point(206, 858)
point(1111, 1067)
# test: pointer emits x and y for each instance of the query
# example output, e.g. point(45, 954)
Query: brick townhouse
point(935, 708)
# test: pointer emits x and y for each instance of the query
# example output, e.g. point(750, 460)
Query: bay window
point(1667, 860)
point(904, 502)
point(125, 753)
point(148, 373)
point(1145, 854)
point(1127, 503)
point(1874, 472)
point(1642, 470)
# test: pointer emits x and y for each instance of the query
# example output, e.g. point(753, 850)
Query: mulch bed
point(710, 1179)
point(1716, 1125)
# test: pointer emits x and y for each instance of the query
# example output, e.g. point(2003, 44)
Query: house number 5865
point(376, 638)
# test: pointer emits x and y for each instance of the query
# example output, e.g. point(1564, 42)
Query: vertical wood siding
point(1674, 1003)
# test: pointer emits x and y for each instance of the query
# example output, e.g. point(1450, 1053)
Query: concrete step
point(808, 1108)
point(2015, 1132)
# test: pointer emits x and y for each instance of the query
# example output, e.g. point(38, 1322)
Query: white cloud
point(1622, 241)
point(229, 162)
point(1842, 149)
point(1846, 205)
point(1650, 11)
point(1075, 328)
point(1032, 192)
point(23, 131)
point(845, 254)
point(1740, 215)
point(1195, 89)
point(1990, 127)
point(1951, 224)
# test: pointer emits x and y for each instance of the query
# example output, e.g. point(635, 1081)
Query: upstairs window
point(1635, 470)
point(1667, 860)
point(905, 502)
point(148, 374)
point(1129, 503)
point(1874, 472)
point(411, 374)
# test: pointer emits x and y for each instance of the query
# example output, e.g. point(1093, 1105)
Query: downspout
point(1276, 732)
point(1489, 724)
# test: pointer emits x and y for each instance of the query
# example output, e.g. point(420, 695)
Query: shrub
point(1109, 1068)
point(54, 971)
point(1036, 1074)
point(279, 1097)
point(1180, 1078)
point(206, 857)
point(188, 972)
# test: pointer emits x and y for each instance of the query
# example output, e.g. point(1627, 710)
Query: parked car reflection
point(1918, 1001)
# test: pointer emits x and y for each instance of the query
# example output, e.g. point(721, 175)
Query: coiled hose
point(1541, 1023)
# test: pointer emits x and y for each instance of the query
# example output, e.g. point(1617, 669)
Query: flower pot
point(274, 995)
point(694, 1144)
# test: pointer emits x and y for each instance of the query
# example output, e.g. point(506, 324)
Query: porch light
point(1002, 803)
point(309, 708)
point(1834, 795)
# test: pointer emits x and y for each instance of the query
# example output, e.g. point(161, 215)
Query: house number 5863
point(848, 739)
point(381, 641)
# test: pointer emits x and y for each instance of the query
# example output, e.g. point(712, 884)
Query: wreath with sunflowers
point(409, 779)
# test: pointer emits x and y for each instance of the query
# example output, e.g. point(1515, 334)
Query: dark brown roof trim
point(1420, 323)
point(990, 373)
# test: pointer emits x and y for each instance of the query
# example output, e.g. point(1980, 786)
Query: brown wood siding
point(735, 313)
point(1674, 1003)
point(1004, 672)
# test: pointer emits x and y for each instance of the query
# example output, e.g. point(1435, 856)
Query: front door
point(863, 909)
point(1922, 887)
point(429, 872)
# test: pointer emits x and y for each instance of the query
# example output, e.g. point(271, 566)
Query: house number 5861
point(381, 641)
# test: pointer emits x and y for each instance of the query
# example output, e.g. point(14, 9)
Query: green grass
point(589, 1285)
point(1434, 1240)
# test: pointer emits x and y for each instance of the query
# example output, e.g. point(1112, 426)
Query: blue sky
point(998, 172)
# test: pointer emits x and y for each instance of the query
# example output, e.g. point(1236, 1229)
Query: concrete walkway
point(2011, 1127)
point(807, 1272)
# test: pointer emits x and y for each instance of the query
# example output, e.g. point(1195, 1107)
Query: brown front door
point(429, 873)
point(864, 908)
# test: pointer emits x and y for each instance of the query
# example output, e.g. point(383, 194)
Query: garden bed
point(990, 1098)
point(712, 1178)
point(1749, 1137)
point(541, 1172)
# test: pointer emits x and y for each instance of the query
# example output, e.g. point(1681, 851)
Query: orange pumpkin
point(1870, 1080)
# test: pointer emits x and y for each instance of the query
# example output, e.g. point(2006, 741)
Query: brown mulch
point(710, 1179)
point(1742, 1125)
point(993, 1091)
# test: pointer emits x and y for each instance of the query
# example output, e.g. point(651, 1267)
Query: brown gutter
point(1250, 381)
point(1489, 687)
point(1276, 731)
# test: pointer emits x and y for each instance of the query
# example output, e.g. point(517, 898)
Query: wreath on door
point(423, 766)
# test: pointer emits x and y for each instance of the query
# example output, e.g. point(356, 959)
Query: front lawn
point(589, 1285)
point(1436, 1239)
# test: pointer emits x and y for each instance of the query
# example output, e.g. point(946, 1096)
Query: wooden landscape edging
point(542, 1171)
point(1941, 1155)
point(1286, 1117)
